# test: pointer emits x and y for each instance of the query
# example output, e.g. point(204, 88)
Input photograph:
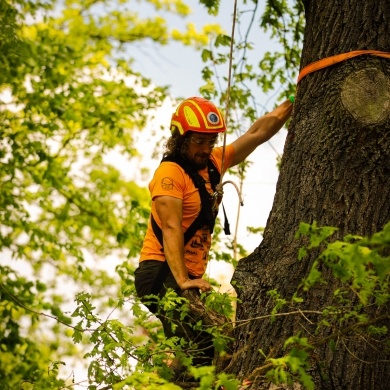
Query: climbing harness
point(206, 216)
point(208, 211)
point(329, 61)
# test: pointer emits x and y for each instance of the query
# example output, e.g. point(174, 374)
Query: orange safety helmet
point(197, 114)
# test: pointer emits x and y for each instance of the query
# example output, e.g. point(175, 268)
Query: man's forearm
point(174, 254)
point(261, 131)
point(268, 125)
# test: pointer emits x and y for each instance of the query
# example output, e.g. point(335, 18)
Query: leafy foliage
point(362, 267)
point(69, 97)
point(284, 24)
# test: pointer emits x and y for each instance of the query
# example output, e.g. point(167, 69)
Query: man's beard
point(200, 164)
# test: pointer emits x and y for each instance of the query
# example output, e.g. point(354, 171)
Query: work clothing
point(171, 180)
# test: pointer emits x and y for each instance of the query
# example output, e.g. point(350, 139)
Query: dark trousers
point(148, 275)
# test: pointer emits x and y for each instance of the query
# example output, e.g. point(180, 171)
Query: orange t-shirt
point(170, 179)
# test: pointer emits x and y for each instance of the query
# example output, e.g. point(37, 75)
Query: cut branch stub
point(365, 94)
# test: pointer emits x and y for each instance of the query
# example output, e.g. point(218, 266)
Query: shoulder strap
point(205, 216)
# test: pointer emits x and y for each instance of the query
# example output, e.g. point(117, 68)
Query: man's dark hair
point(176, 144)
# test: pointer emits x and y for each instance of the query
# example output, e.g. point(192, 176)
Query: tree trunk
point(335, 171)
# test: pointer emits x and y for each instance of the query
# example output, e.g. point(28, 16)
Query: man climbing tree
point(335, 172)
point(177, 243)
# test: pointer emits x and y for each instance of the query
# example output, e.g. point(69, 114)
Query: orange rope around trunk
point(329, 61)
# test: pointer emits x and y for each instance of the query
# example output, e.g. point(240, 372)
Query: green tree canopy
point(69, 96)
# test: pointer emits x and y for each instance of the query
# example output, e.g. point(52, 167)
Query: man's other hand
point(200, 284)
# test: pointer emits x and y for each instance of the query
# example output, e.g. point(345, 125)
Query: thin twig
point(41, 313)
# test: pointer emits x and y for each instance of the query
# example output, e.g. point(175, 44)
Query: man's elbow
point(171, 228)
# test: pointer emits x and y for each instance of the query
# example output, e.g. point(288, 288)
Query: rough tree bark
point(336, 171)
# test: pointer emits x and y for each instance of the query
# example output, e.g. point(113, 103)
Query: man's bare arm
point(261, 131)
point(169, 210)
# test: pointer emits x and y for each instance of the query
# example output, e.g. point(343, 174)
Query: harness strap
point(188, 234)
point(226, 225)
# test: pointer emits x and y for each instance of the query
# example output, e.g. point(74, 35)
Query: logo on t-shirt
point(167, 184)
